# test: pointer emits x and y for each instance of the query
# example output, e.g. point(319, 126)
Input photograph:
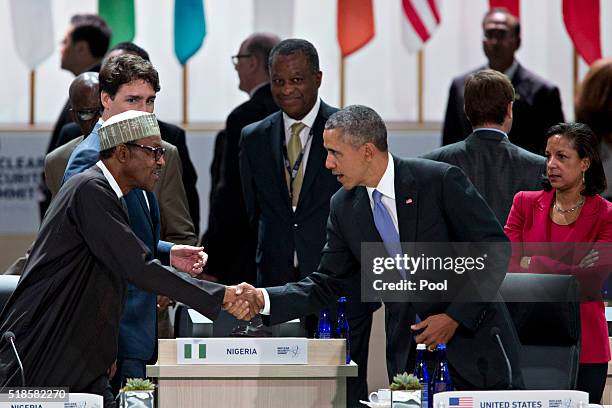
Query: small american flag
point(461, 402)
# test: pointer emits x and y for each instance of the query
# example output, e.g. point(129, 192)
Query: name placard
point(278, 350)
point(512, 399)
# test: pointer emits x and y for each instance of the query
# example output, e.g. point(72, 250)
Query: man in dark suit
point(422, 201)
point(498, 168)
point(67, 306)
point(538, 103)
point(129, 83)
point(83, 47)
point(287, 188)
point(233, 260)
point(170, 133)
point(290, 221)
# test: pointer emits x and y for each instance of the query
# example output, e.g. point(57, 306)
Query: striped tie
point(293, 150)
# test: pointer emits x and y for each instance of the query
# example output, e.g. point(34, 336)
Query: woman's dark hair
point(586, 145)
point(123, 69)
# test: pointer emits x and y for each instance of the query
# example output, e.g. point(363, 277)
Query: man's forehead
point(137, 83)
point(150, 141)
point(499, 20)
point(86, 102)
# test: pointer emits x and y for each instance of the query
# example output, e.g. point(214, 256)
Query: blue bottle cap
point(441, 346)
point(342, 299)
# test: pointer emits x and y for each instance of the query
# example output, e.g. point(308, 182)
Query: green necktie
point(293, 150)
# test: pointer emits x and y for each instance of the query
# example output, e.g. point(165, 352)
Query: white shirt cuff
point(266, 308)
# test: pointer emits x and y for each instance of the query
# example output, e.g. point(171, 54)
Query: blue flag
point(189, 28)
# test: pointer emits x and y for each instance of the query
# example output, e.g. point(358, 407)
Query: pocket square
point(409, 201)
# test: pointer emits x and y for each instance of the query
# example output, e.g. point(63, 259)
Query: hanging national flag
point(119, 15)
point(189, 28)
point(273, 16)
point(513, 6)
point(582, 22)
point(32, 30)
point(355, 25)
point(420, 18)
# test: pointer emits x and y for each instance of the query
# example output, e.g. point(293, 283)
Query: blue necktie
point(386, 228)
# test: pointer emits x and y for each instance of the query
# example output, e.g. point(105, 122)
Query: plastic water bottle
point(343, 331)
point(420, 372)
point(324, 327)
point(441, 380)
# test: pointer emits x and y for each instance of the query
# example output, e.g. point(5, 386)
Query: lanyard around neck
point(293, 171)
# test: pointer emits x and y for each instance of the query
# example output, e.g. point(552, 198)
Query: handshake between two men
point(243, 301)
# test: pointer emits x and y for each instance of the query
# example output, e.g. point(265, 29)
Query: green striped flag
point(189, 28)
point(119, 15)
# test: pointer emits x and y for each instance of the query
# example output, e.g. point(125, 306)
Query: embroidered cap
point(126, 127)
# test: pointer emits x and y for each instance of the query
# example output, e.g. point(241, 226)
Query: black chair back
point(545, 310)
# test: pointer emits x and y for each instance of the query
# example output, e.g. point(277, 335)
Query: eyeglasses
point(158, 152)
point(87, 114)
point(495, 34)
point(236, 58)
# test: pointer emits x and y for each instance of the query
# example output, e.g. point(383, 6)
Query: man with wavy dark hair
point(538, 103)
point(128, 82)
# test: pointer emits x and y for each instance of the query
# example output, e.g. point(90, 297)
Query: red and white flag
point(513, 6)
point(582, 20)
point(355, 25)
point(420, 18)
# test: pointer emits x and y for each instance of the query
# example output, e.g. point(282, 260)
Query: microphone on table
point(494, 333)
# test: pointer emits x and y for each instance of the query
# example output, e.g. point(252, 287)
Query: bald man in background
point(229, 238)
point(84, 97)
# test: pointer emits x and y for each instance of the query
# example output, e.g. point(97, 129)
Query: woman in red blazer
point(570, 210)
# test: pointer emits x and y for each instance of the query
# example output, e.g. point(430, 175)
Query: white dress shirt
point(305, 140)
point(307, 120)
point(111, 180)
point(386, 186)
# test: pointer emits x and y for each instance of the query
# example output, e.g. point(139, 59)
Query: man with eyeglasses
point(84, 99)
point(233, 260)
point(538, 103)
point(66, 309)
point(128, 82)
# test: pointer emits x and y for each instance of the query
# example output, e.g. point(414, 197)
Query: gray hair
point(295, 45)
point(260, 45)
point(359, 125)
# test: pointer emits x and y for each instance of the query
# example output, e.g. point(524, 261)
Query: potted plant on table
point(406, 391)
point(138, 392)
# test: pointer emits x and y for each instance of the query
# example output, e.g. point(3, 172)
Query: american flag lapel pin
point(409, 200)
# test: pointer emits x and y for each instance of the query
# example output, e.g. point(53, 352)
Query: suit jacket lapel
point(317, 153)
point(406, 201)
point(277, 130)
point(145, 207)
point(363, 215)
point(541, 216)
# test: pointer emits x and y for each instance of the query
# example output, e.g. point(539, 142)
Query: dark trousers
point(357, 387)
point(127, 368)
point(592, 379)
point(398, 318)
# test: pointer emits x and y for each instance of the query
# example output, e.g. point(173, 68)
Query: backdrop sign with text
point(21, 165)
